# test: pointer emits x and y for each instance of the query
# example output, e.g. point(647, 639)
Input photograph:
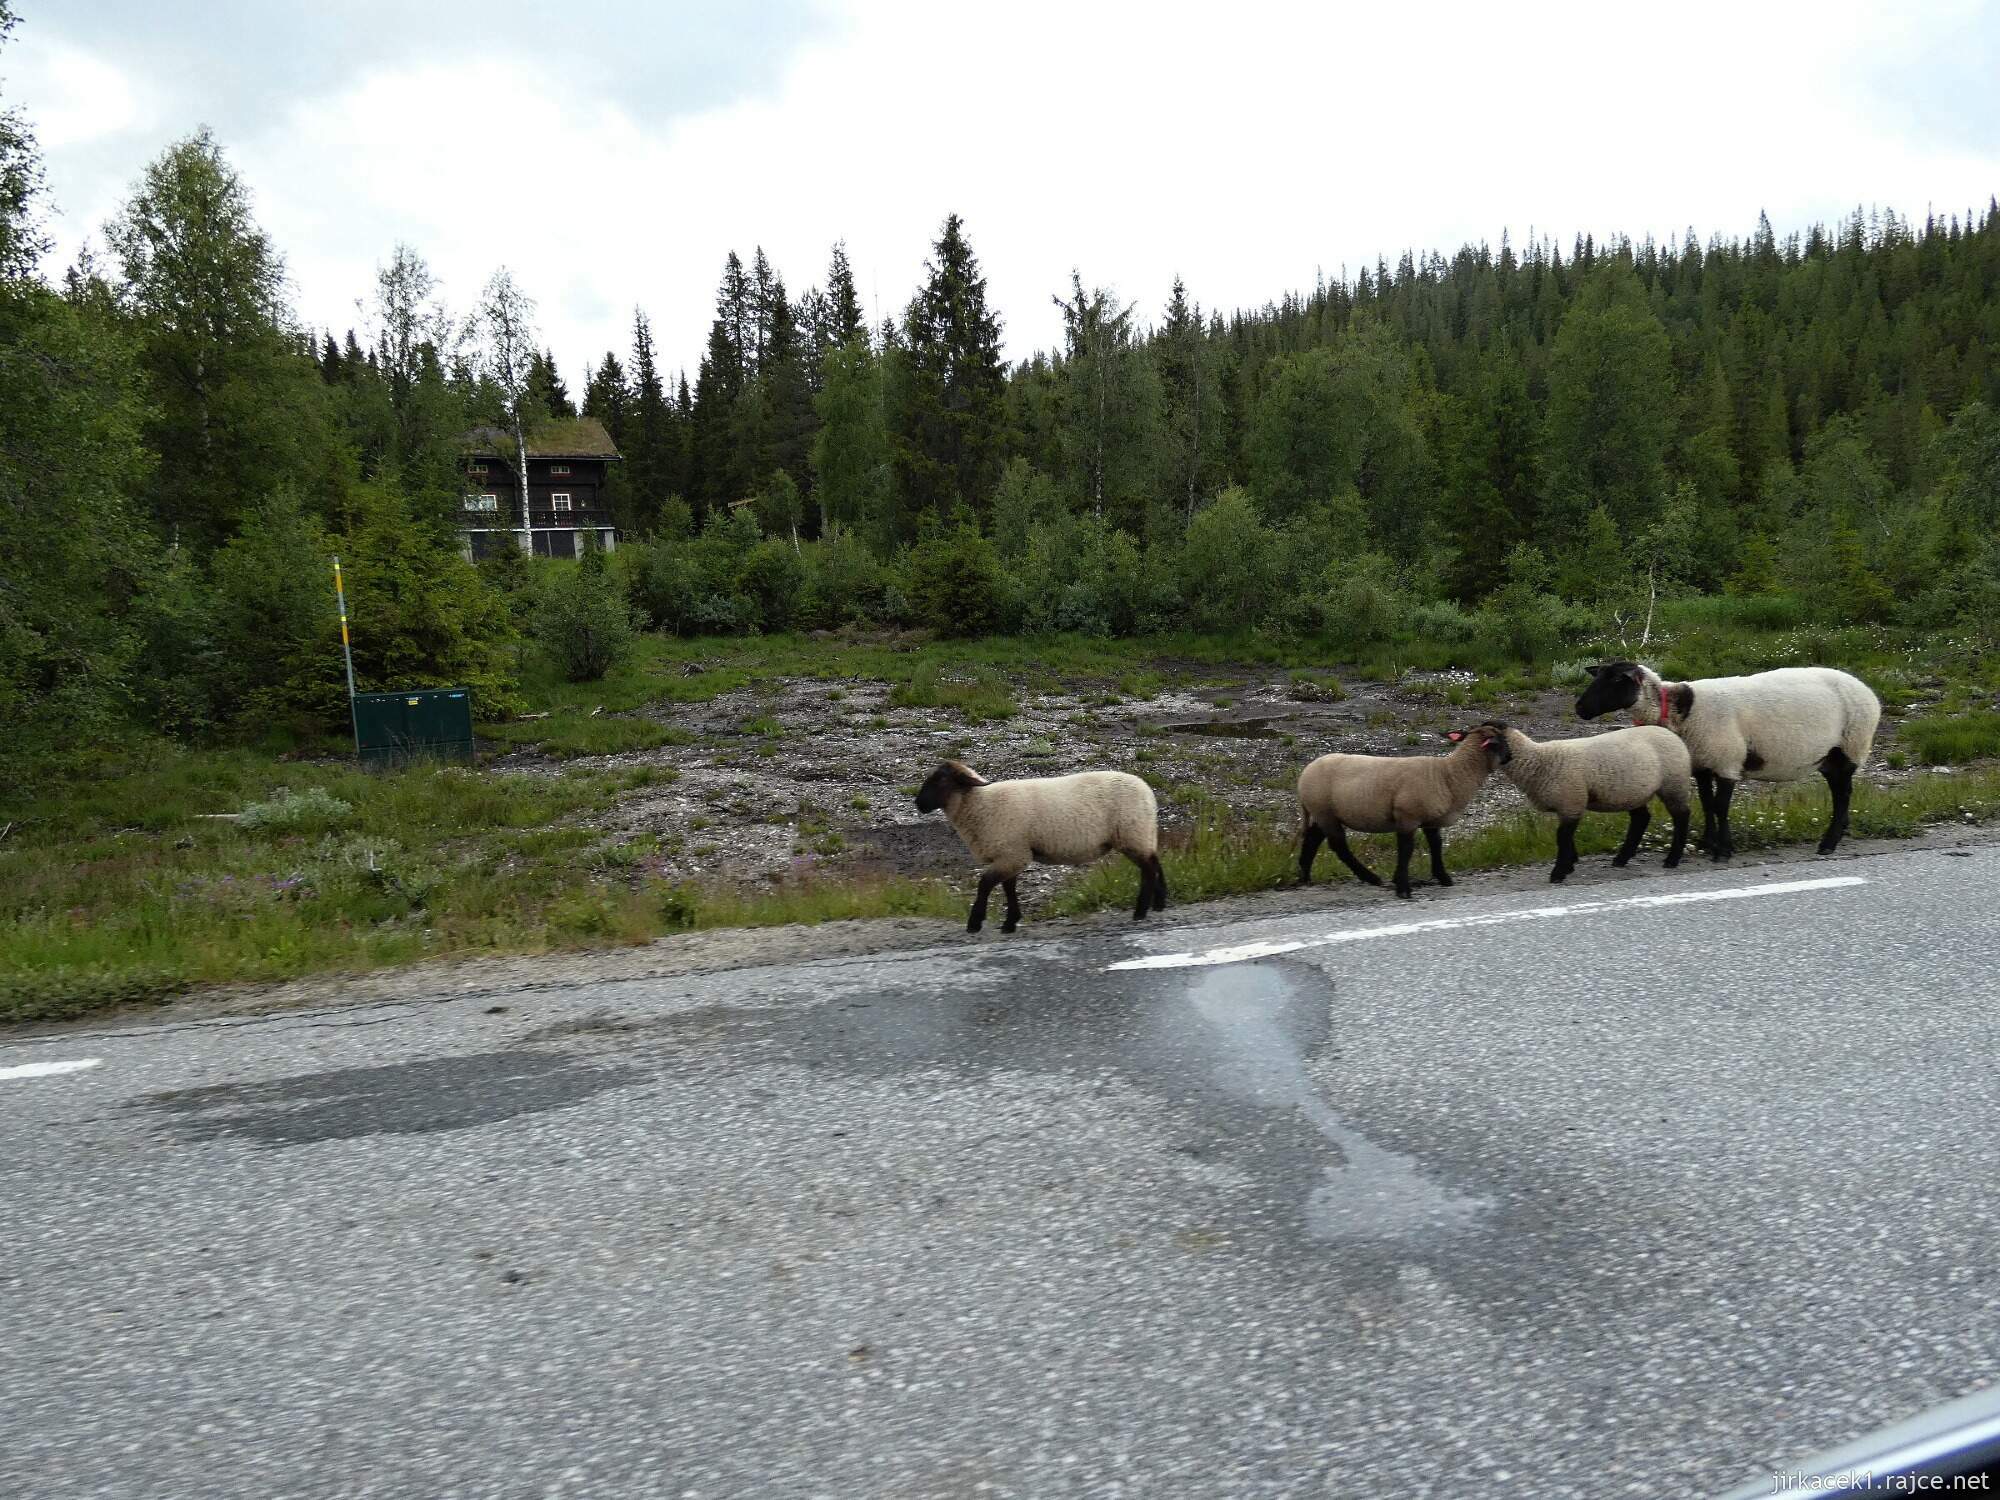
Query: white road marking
point(49, 1069)
point(1243, 952)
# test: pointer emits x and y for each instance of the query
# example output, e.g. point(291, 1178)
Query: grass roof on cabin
point(567, 437)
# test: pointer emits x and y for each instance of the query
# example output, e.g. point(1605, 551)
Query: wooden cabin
point(569, 466)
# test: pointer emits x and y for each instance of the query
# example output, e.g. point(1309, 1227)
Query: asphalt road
point(1627, 1199)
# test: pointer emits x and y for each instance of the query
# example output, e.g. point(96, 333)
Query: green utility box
point(392, 729)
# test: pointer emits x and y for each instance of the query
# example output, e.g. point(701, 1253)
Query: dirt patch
point(795, 777)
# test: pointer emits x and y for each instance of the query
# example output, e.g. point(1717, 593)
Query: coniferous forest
point(1514, 440)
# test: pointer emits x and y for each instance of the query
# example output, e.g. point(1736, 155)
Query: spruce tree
point(607, 398)
point(648, 450)
point(844, 321)
point(786, 391)
point(948, 423)
point(547, 395)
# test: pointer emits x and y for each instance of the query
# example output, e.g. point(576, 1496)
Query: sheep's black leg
point(1704, 783)
point(1159, 883)
point(1145, 887)
point(1634, 831)
point(1309, 843)
point(1337, 841)
point(987, 880)
point(1406, 845)
point(1565, 851)
point(1680, 835)
point(1724, 846)
point(1839, 773)
point(1436, 842)
point(1013, 905)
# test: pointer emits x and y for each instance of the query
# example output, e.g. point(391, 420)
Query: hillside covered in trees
point(1517, 440)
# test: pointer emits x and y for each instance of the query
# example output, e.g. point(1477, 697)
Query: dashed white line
point(1243, 952)
point(49, 1069)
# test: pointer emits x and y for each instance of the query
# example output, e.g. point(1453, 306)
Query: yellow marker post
point(347, 651)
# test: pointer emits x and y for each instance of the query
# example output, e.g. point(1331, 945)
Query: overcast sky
point(612, 153)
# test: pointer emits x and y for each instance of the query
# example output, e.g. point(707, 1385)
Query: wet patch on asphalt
point(1228, 1050)
point(408, 1098)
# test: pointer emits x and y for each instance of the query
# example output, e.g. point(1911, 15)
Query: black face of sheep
point(1614, 686)
point(1493, 740)
point(946, 779)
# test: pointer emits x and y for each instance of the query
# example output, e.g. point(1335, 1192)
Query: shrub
point(1364, 603)
point(582, 620)
point(274, 619)
point(1442, 622)
point(955, 584)
point(315, 810)
point(772, 580)
point(843, 584)
point(1228, 564)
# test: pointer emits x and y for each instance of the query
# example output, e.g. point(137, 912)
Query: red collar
point(1663, 707)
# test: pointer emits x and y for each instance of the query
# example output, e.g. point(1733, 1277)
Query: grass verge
point(1953, 741)
point(1223, 855)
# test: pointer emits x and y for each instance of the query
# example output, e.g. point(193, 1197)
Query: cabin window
point(475, 466)
point(558, 468)
point(561, 502)
point(486, 503)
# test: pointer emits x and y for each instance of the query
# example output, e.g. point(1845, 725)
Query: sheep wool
point(1779, 725)
point(1621, 771)
point(1053, 820)
point(1390, 794)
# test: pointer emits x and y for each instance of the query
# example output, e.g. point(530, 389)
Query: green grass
point(1953, 741)
point(693, 905)
point(980, 695)
point(119, 881)
point(1223, 855)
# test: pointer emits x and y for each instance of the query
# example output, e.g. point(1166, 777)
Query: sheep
point(1769, 726)
point(1054, 820)
point(1391, 794)
point(1617, 772)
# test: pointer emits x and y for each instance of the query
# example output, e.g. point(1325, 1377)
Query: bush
point(315, 810)
point(843, 584)
point(1228, 564)
point(1081, 575)
point(772, 580)
point(582, 620)
point(422, 616)
point(955, 584)
point(1442, 623)
point(275, 622)
point(1364, 604)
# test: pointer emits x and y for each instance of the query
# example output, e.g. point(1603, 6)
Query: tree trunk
point(521, 458)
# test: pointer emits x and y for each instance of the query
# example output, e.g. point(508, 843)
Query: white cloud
point(1243, 149)
point(76, 98)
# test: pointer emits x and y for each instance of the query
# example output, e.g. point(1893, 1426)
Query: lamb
point(1054, 820)
point(1391, 793)
point(1769, 726)
point(1617, 772)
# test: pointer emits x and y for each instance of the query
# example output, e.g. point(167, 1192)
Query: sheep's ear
point(1593, 670)
point(1455, 735)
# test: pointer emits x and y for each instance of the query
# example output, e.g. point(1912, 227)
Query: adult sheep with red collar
point(1780, 725)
